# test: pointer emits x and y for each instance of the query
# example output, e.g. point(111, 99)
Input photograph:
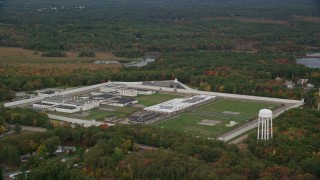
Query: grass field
point(188, 121)
point(19, 55)
point(247, 109)
point(25, 62)
point(153, 99)
point(100, 115)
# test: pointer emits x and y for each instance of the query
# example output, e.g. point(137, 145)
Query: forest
point(28, 117)
point(240, 48)
point(230, 46)
point(164, 26)
point(223, 46)
point(115, 152)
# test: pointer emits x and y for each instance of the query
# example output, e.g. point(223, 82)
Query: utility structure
point(264, 125)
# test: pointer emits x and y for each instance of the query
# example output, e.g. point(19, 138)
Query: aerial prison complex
point(109, 94)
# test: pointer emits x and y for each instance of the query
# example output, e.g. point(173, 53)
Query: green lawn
point(188, 121)
point(246, 108)
point(61, 113)
point(153, 99)
point(100, 115)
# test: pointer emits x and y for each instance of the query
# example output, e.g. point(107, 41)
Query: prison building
point(120, 88)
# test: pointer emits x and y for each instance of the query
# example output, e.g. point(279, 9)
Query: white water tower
point(264, 124)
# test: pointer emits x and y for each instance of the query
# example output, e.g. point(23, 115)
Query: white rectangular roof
point(179, 104)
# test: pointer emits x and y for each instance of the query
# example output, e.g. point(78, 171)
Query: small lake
point(312, 62)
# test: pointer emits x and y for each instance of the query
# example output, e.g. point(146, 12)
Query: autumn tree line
point(226, 72)
point(115, 153)
point(28, 117)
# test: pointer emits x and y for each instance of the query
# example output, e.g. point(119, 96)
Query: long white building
point(112, 87)
point(179, 104)
point(66, 104)
point(120, 88)
point(44, 105)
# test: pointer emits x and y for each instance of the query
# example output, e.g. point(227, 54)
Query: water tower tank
point(264, 125)
point(265, 113)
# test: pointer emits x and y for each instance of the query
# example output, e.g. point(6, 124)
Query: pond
point(311, 61)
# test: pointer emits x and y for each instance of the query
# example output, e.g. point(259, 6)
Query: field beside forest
point(221, 111)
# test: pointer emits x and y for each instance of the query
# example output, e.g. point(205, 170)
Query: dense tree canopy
point(115, 153)
point(21, 116)
point(237, 48)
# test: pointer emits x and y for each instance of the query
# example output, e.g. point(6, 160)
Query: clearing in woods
point(19, 55)
point(29, 63)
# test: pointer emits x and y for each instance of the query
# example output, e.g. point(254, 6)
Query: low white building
point(82, 103)
point(111, 87)
point(302, 82)
point(179, 104)
point(67, 104)
point(145, 92)
point(310, 86)
point(119, 88)
point(65, 149)
point(43, 105)
point(128, 92)
point(289, 84)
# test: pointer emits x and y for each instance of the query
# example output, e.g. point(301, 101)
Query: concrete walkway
point(239, 139)
point(33, 128)
point(85, 123)
point(24, 128)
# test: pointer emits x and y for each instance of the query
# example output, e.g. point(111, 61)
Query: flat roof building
point(179, 104)
point(67, 104)
point(119, 88)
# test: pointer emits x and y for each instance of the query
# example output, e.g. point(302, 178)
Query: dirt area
point(19, 55)
point(308, 19)
point(123, 121)
point(81, 114)
point(105, 108)
point(56, 68)
point(26, 62)
point(231, 113)
point(208, 122)
point(255, 20)
point(138, 106)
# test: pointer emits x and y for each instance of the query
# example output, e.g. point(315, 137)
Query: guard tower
point(264, 125)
